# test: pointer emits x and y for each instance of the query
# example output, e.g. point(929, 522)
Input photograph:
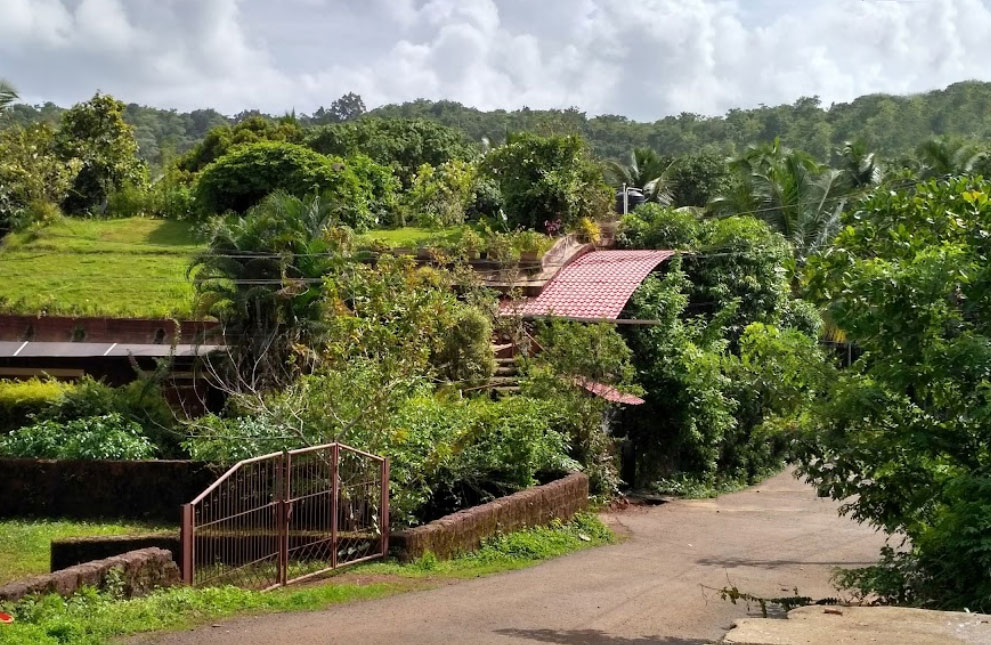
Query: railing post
point(384, 508)
point(284, 518)
point(186, 538)
point(335, 501)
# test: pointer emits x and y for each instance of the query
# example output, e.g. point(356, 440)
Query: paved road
point(765, 540)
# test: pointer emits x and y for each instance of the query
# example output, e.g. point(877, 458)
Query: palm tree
point(796, 195)
point(262, 277)
point(943, 156)
point(7, 94)
point(861, 167)
point(646, 171)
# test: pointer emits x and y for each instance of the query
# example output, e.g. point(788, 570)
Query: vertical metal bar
point(384, 510)
point(186, 537)
point(335, 502)
point(284, 519)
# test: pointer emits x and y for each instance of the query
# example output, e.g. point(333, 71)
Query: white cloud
point(644, 59)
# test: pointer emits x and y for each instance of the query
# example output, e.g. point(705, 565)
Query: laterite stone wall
point(465, 530)
point(90, 489)
point(141, 572)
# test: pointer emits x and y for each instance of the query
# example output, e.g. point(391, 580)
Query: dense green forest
point(891, 125)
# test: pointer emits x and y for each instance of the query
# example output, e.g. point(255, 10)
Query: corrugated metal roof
point(596, 286)
point(26, 349)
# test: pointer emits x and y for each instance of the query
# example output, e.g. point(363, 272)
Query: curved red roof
point(596, 286)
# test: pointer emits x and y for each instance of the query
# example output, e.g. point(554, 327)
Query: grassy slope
point(119, 267)
point(411, 236)
point(25, 544)
point(94, 619)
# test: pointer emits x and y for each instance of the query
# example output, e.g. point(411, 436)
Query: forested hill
point(892, 125)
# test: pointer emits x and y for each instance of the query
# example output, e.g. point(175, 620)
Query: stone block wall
point(465, 530)
point(91, 489)
point(141, 572)
point(69, 552)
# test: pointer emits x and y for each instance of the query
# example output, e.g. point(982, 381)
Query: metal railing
point(280, 518)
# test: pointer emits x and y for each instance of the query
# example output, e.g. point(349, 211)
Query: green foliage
point(221, 140)
point(347, 108)
point(544, 542)
point(33, 180)
point(695, 179)
point(20, 400)
point(903, 435)
point(105, 437)
point(572, 354)
point(246, 175)
point(95, 134)
point(404, 144)
point(647, 171)
point(548, 180)
point(441, 196)
point(736, 266)
point(7, 95)
point(797, 196)
point(447, 455)
point(892, 125)
point(653, 226)
point(261, 278)
point(465, 355)
point(724, 384)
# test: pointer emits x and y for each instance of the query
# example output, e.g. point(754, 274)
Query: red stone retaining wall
point(141, 572)
point(95, 489)
point(465, 530)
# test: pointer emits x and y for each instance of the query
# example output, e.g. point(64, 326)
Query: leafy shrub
point(446, 453)
point(245, 175)
point(129, 200)
point(903, 435)
point(221, 140)
point(653, 226)
point(441, 196)
point(588, 230)
point(465, 355)
point(95, 134)
point(21, 400)
point(404, 145)
point(449, 454)
point(547, 179)
point(105, 437)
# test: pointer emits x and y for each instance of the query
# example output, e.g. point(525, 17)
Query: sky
point(644, 59)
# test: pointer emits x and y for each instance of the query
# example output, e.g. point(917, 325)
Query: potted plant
point(531, 245)
point(471, 244)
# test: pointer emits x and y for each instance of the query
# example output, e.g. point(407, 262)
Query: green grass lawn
point(91, 618)
point(118, 267)
point(25, 544)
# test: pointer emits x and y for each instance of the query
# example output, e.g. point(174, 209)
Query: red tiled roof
point(596, 286)
point(608, 392)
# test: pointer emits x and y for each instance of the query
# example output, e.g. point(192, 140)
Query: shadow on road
point(732, 563)
point(591, 637)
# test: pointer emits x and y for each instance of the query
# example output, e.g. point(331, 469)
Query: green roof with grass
point(132, 267)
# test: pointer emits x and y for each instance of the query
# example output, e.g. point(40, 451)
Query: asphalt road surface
point(767, 540)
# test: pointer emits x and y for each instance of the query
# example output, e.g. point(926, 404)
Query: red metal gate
point(280, 518)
